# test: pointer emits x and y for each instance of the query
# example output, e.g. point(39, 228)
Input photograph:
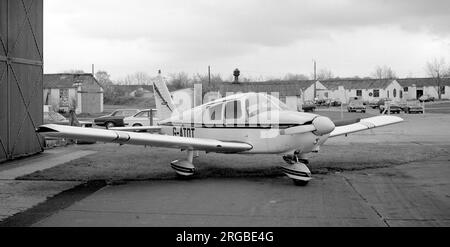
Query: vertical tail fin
point(163, 99)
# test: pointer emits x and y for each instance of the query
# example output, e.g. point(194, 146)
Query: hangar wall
point(21, 76)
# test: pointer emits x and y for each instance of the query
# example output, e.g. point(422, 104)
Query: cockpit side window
point(215, 112)
point(233, 110)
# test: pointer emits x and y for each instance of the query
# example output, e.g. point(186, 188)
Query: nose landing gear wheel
point(296, 169)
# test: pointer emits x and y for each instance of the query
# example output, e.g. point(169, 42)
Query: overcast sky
point(260, 37)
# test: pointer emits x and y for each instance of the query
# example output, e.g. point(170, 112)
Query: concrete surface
point(48, 159)
point(416, 194)
point(18, 195)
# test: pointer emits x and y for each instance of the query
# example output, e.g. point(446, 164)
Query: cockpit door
point(234, 113)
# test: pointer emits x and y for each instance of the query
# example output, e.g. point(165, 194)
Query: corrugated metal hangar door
point(21, 75)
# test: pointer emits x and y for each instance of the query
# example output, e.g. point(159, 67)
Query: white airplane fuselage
point(265, 140)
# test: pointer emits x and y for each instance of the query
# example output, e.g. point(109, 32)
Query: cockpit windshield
point(259, 102)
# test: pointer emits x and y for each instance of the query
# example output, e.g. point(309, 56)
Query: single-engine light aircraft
point(244, 123)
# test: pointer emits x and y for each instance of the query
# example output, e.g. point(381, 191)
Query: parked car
point(141, 118)
point(355, 106)
point(308, 106)
point(321, 102)
point(426, 98)
point(412, 107)
point(336, 102)
point(394, 108)
point(115, 119)
point(381, 102)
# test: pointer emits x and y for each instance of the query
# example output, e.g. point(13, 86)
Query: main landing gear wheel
point(296, 169)
point(184, 168)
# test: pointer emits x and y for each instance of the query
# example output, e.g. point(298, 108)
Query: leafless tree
point(74, 71)
point(295, 77)
point(138, 78)
point(179, 80)
point(437, 69)
point(325, 74)
point(103, 78)
point(384, 72)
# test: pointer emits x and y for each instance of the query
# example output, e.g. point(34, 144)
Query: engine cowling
point(323, 125)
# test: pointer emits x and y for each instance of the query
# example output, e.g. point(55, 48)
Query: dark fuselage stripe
point(234, 126)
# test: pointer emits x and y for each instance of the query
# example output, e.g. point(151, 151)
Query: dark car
point(412, 107)
point(336, 102)
point(308, 106)
point(356, 106)
point(320, 102)
point(115, 119)
point(394, 108)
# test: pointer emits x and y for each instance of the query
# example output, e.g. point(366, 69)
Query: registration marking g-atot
point(183, 131)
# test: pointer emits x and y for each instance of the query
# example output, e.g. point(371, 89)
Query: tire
point(137, 125)
point(300, 182)
point(363, 111)
point(109, 125)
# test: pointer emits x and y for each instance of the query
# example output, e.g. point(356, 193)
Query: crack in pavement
point(205, 214)
point(366, 201)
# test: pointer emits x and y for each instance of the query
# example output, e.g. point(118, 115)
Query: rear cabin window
point(233, 110)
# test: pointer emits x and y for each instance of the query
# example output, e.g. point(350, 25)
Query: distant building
point(368, 90)
point(81, 91)
point(415, 87)
point(293, 93)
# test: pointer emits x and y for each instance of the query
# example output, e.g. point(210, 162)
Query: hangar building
point(21, 70)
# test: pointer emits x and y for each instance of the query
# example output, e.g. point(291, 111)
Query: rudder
point(163, 99)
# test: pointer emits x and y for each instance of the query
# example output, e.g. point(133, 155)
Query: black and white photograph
point(211, 114)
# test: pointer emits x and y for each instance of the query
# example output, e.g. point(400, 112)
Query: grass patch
point(125, 163)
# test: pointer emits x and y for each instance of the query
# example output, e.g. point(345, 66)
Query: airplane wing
point(123, 137)
point(365, 124)
point(137, 128)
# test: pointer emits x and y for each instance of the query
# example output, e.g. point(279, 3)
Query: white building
point(414, 88)
point(368, 90)
point(80, 91)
